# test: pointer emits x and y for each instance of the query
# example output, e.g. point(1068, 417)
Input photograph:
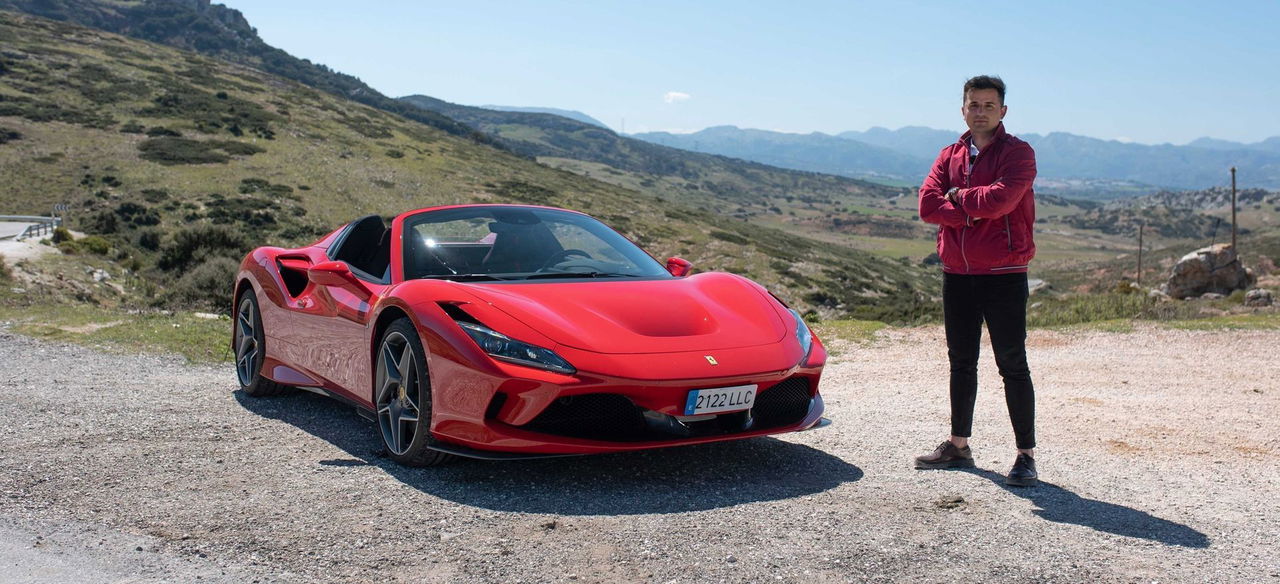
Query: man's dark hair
point(984, 82)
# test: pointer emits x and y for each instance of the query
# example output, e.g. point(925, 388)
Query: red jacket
point(990, 231)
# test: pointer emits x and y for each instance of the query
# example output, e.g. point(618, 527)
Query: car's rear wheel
point(402, 396)
point(249, 342)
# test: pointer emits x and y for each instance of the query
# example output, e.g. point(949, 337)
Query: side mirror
point(337, 274)
point(679, 267)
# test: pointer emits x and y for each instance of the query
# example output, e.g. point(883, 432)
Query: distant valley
point(1068, 164)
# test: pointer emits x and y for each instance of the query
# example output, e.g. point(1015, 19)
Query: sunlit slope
point(145, 143)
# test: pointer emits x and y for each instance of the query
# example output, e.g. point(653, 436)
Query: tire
point(248, 342)
point(402, 397)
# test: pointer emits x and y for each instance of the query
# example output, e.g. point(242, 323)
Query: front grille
point(782, 404)
point(614, 418)
point(595, 416)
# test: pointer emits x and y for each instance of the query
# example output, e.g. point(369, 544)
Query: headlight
point(803, 334)
point(500, 346)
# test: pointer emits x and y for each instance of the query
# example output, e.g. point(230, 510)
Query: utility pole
point(1141, 226)
point(1233, 212)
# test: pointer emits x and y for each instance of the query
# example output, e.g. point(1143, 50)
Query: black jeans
point(1001, 301)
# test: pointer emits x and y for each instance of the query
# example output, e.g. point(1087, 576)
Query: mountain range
point(571, 114)
point(1061, 157)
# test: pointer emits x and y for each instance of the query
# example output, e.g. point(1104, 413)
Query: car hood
point(703, 312)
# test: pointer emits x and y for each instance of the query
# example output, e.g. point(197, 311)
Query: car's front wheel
point(402, 396)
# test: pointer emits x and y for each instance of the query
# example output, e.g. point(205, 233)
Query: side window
point(366, 247)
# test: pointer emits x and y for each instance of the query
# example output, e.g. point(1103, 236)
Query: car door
point(333, 322)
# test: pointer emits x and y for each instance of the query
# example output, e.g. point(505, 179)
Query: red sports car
point(504, 331)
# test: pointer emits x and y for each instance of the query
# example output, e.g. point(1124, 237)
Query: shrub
point(5, 273)
point(149, 239)
point(170, 150)
point(157, 131)
point(102, 222)
point(254, 212)
point(208, 286)
point(70, 247)
point(212, 113)
point(238, 148)
point(137, 215)
point(132, 127)
point(524, 192)
point(7, 135)
point(195, 245)
point(25, 107)
point(60, 234)
point(95, 244)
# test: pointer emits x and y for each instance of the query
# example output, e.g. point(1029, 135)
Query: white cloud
point(676, 97)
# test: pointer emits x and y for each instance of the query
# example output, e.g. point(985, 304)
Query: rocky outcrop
point(1258, 297)
point(1213, 269)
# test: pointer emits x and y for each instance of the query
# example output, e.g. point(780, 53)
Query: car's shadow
point(665, 480)
point(1062, 506)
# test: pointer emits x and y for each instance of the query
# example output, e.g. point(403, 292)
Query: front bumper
point(533, 416)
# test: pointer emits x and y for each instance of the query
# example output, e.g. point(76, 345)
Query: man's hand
point(953, 195)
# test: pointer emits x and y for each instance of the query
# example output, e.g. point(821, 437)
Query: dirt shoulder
point(1157, 448)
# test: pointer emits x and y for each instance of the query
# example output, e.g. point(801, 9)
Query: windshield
point(518, 243)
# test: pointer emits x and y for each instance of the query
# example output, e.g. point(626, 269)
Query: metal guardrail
point(40, 224)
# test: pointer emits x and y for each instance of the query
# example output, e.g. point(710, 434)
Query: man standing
point(979, 194)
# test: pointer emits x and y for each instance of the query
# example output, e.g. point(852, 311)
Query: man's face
point(982, 110)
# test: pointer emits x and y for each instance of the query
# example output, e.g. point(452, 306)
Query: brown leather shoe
point(946, 455)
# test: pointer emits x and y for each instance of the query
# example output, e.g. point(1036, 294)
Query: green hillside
point(834, 210)
point(178, 161)
point(217, 31)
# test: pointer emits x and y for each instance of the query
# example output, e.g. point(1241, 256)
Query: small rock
point(1258, 297)
point(949, 502)
point(551, 524)
point(731, 559)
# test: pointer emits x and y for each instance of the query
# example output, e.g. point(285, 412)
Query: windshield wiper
point(552, 275)
point(464, 277)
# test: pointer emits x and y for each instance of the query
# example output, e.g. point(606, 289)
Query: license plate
point(720, 399)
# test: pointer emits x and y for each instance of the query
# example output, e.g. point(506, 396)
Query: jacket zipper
point(968, 173)
point(1008, 231)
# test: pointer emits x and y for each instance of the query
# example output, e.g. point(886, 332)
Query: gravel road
point(1158, 453)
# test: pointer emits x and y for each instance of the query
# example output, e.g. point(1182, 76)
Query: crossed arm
point(945, 204)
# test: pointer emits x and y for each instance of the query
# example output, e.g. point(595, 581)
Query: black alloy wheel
point(402, 397)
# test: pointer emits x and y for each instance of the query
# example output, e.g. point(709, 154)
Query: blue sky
point(1149, 72)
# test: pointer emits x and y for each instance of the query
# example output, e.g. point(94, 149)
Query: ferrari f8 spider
point(506, 331)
